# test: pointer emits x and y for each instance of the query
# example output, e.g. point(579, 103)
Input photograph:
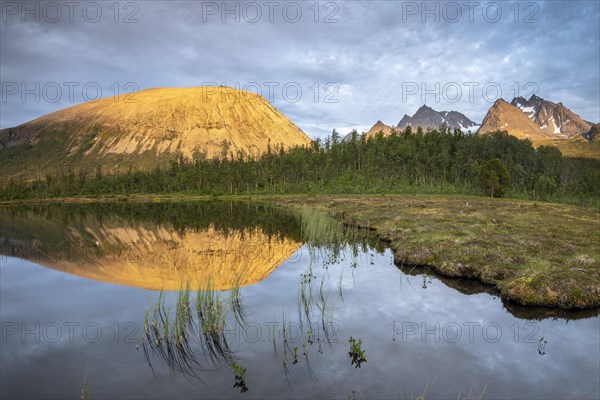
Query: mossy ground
point(540, 254)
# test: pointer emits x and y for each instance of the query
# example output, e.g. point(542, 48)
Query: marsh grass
point(315, 319)
point(86, 388)
point(320, 230)
point(533, 253)
point(340, 286)
point(470, 395)
point(308, 300)
point(189, 342)
point(305, 298)
point(274, 343)
point(237, 306)
point(168, 337)
point(183, 316)
point(212, 317)
point(326, 236)
point(286, 349)
point(325, 313)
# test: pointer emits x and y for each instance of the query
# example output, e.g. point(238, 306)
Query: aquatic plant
point(356, 353)
point(327, 236)
point(212, 319)
point(352, 396)
point(542, 346)
point(305, 298)
point(167, 337)
point(86, 388)
point(237, 307)
point(183, 315)
point(326, 321)
point(239, 372)
point(295, 355)
point(286, 348)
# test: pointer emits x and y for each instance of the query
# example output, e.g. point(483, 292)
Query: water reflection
point(473, 287)
point(303, 331)
point(189, 342)
point(157, 246)
point(190, 336)
point(204, 253)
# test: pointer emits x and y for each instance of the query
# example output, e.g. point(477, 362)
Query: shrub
point(494, 177)
point(545, 186)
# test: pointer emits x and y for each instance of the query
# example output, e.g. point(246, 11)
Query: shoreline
point(553, 269)
point(533, 254)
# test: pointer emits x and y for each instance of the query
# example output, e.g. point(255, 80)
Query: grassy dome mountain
point(140, 129)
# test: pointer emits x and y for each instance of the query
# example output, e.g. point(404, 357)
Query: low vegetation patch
point(534, 253)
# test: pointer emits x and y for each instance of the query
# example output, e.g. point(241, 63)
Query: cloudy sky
point(326, 65)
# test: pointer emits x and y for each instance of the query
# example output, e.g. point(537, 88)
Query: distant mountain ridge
point(544, 123)
point(503, 116)
point(428, 118)
point(379, 127)
point(552, 118)
point(545, 119)
point(541, 121)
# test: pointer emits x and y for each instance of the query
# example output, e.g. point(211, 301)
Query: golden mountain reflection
point(148, 255)
point(164, 260)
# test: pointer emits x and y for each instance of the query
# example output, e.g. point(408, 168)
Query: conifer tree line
point(436, 161)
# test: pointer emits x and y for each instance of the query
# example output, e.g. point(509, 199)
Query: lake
point(251, 300)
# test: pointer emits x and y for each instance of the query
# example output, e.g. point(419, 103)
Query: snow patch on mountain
point(557, 128)
point(472, 128)
point(528, 110)
point(428, 118)
point(523, 107)
point(551, 118)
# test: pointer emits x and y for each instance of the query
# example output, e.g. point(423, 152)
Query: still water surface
point(281, 295)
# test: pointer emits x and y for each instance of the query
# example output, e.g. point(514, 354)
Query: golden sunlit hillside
point(156, 258)
point(148, 127)
point(503, 116)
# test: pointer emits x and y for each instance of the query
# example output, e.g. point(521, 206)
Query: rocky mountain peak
point(428, 118)
point(379, 127)
point(552, 118)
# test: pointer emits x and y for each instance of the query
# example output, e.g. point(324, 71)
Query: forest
point(437, 161)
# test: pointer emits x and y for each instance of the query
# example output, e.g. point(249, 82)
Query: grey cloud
point(368, 54)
